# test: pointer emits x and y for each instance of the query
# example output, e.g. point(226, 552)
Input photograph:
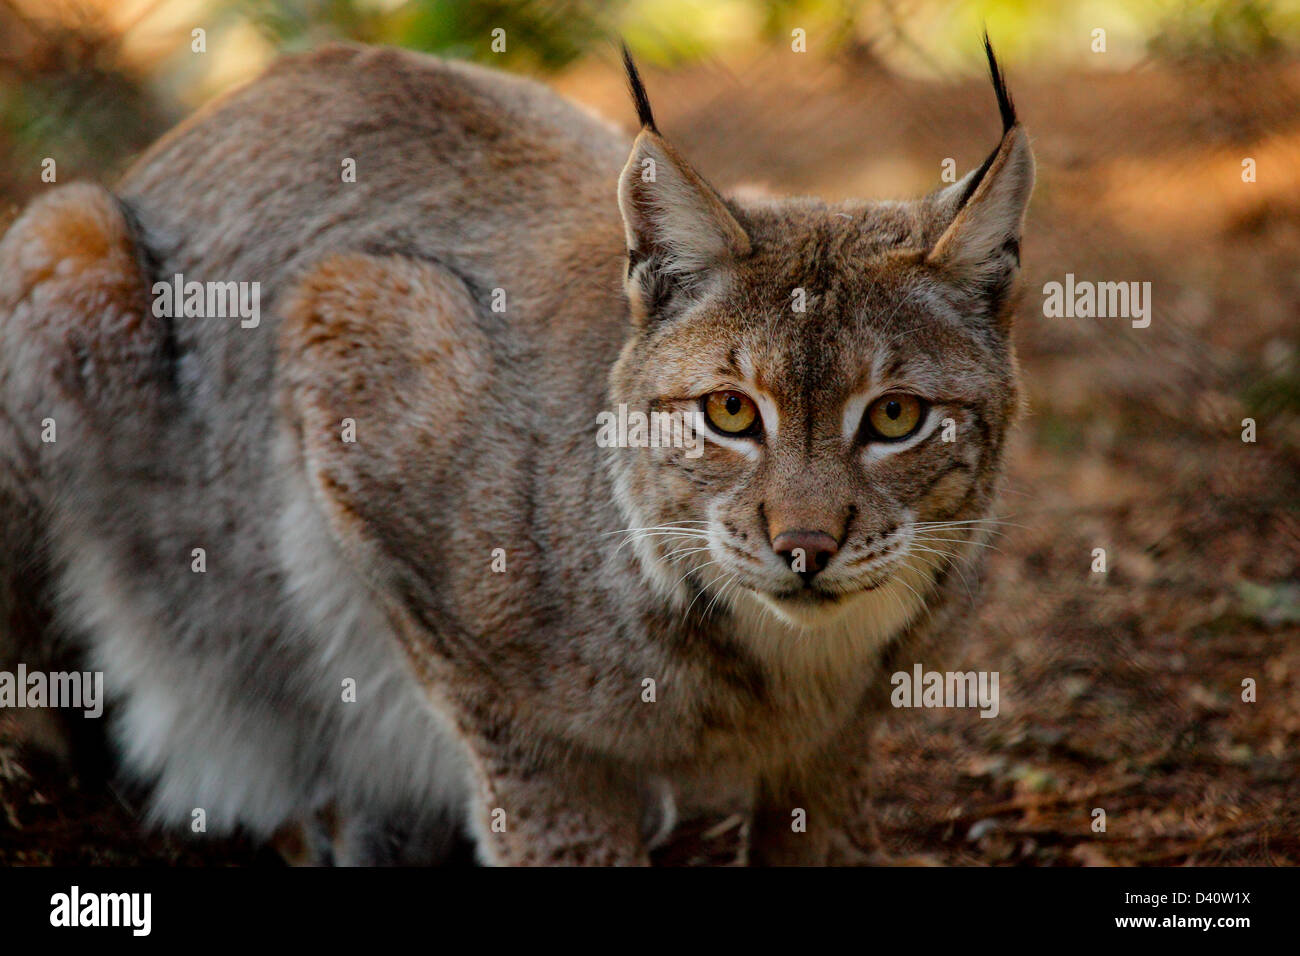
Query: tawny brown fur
point(510, 703)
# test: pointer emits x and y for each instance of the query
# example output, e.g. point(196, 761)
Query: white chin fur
point(836, 638)
point(807, 614)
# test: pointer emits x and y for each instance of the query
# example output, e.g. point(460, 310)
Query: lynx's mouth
point(877, 603)
point(809, 595)
point(814, 595)
point(817, 606)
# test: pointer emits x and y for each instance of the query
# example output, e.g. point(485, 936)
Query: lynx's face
point(852, 373)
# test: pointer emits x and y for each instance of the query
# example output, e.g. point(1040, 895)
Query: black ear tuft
point(1005, 106)
point(637, 88)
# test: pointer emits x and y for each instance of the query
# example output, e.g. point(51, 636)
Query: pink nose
point(807, 552)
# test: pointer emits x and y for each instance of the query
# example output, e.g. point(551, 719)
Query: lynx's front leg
point(575, 813)
point(392, 345)
point(818, 814)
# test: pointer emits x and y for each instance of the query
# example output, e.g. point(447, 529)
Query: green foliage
point(1225, 29)
point(293, 24)
point(87, 120)
point(1275, 392)
point(544, 35)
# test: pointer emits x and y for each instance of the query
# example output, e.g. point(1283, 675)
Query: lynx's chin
point(873, 613)
point(808, 609)
point(823, 638)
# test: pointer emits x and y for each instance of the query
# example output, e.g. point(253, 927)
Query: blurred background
point(1121, 690)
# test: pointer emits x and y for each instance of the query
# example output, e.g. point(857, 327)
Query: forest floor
point(1120, 691)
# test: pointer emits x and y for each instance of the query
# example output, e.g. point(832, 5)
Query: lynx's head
point(853, 371)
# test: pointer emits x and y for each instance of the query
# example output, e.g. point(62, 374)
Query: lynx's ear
point(679, 232)
point(984, 212)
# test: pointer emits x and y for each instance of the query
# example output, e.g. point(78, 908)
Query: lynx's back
point(492, 176)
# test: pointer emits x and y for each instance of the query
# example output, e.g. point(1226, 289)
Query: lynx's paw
point(525, 821)
point(809, 848)
point(329, 837)
point(822, 823)
point(532, 810)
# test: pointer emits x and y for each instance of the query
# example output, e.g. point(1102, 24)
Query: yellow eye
point(732, 413)
point(895, 415)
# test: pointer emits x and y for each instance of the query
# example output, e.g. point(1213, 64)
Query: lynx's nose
point(807, 552)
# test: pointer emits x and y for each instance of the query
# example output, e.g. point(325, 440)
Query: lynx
point(359, 574)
